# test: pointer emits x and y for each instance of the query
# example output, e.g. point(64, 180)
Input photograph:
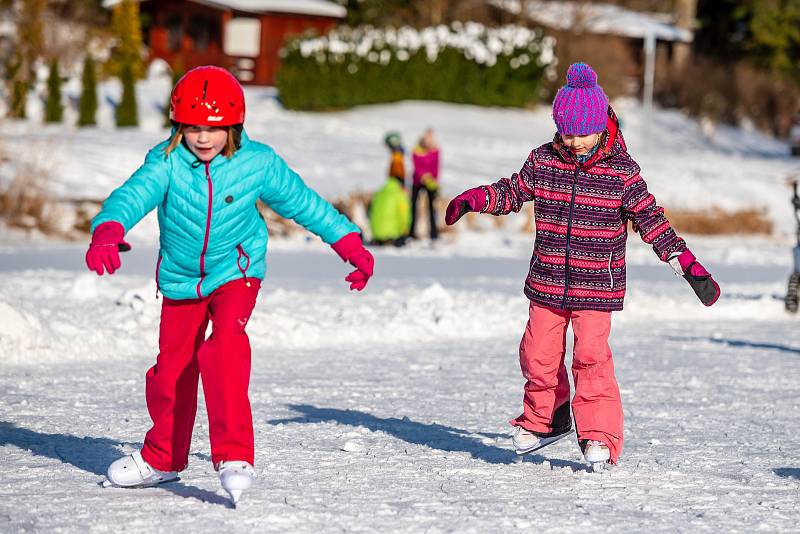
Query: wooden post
point(685, 12)
point(524, 20)
point(437, 12)
point(649, 78)
point(264, 70)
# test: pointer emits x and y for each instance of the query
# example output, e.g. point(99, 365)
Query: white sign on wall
point(243, 37)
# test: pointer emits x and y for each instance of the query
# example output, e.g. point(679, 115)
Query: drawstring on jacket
point(241, 252)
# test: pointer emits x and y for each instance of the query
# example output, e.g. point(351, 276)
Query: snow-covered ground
point(387, 410)
point(685, 165)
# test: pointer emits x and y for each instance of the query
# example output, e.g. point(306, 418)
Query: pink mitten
point(107, 243)
point(470, 200)
point(351, 249)
point(703, 284)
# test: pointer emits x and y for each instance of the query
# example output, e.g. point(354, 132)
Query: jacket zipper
point(242, 253)
point(208, 230)
point(569, 233)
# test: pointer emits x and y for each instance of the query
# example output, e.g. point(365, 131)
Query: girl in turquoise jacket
point(205, 182)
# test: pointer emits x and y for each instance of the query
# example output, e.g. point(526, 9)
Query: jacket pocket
point(610, 273)
point(534, 262)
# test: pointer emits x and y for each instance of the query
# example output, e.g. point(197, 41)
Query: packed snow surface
point(387, 410)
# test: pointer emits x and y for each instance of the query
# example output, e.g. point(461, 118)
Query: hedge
point(463, 63)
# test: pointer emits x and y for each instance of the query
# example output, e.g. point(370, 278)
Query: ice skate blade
point(598, 467)
point(108, 484)
point(543, 442)
point(235, 495)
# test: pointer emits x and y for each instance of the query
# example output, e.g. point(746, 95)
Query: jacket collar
point(188, 156)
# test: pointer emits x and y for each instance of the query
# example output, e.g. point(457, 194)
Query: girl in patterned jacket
point(585, 188)
point(205, 182)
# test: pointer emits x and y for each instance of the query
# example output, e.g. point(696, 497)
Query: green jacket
point(390, 212)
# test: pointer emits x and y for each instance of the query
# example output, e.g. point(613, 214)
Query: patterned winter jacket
point(211, 231)
point(581, 211)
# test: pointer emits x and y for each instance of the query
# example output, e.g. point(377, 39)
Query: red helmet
point(207, 96)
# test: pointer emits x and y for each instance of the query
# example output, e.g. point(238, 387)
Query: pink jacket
point(425, 162)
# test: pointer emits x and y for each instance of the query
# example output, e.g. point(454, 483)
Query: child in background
point(205, 181)
point(389, 209)
point(397, 154)
point(586, 187)
point(426, 178)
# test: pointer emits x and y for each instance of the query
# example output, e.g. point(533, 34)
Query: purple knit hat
point(581, 106)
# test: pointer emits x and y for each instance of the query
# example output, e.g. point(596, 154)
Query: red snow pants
point(596, 406)
point(223, 362)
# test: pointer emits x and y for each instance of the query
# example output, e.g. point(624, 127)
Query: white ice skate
point(525, 441)
point(596, 454)
point(235, 477)
point(132, 471)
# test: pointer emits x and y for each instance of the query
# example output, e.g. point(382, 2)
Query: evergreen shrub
point(463, 63)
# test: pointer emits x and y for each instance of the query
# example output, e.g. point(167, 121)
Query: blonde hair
point(231, 145)
point(427, 141)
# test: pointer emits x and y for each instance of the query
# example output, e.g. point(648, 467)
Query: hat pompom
point(581, 76)
point(581, 106)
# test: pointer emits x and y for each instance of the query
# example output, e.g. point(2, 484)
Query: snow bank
point(15, 328)
point(338, 153)
point(57, 316)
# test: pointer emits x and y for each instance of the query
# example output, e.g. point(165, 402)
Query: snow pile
point(16, 329)
point(397, 315)
point(58, 316)
point(675, 301)
point(53, 316)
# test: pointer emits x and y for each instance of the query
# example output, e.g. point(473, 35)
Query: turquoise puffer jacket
point(211, 230)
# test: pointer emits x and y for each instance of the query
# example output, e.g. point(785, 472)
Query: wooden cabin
point(244, 36)
point(622, 45)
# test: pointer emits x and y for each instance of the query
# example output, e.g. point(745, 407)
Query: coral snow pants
point(596, 406)
point(223, 362)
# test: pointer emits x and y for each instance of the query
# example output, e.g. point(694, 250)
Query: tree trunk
point(685, 12)
point(523, 13)
point(436, 12)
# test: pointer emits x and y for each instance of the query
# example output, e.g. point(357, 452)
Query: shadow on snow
point(433, 435)
point(92, 455)
point(788, 472)
point(740, 343)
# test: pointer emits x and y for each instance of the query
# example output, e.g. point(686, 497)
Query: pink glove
point(470, 200)
point(705, 287)
point(350, 249)
point(105, 247)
